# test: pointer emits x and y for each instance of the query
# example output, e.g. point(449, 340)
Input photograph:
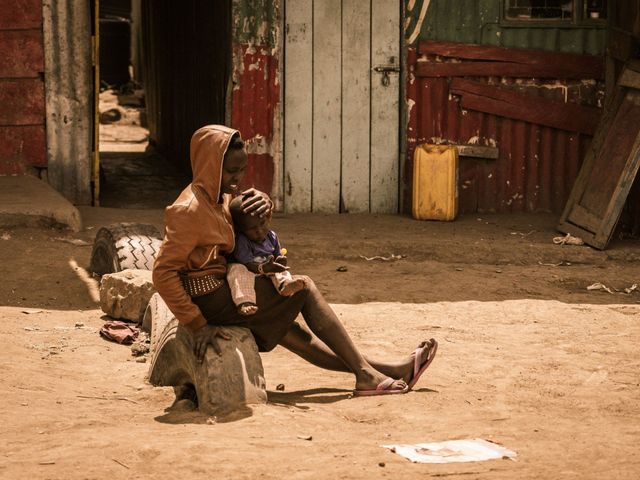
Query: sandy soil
point(528, 358)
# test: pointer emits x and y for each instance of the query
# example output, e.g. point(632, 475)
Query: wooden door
point(341, 105)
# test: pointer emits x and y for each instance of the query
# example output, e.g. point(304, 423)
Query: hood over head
point(208, 147)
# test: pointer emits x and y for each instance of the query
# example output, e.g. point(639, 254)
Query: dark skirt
point(269, 324)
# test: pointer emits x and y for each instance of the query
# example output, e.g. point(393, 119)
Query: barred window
point(569, 11)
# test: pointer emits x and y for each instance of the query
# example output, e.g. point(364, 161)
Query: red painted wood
point(259, 173)
point(20, 14)
point(530, 108)
point(503, 69)
point(22, 53)
point(21, 147)
point(22, 102)
point(256, 96)
point(591, 64)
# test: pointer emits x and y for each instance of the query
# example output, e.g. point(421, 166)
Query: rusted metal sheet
point(22, 116)
point(255, 98)
point(22, 147)
point(537, 165)
point(22, 101)
point(22, 53)
point(20, 14)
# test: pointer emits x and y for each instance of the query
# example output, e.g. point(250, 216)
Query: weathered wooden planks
point(385, 109)
point(502, 69)
point(608, 172)
point(581, 66)
point(542, 111)
point(341, 148)
point(298, 120)
point(326, 106)
point(356, 109)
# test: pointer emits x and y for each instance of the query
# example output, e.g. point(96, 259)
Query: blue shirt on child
point(246, 251)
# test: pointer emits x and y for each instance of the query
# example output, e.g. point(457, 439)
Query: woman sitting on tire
point(190, 269)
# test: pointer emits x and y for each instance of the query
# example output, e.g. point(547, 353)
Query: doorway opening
point(164, 68)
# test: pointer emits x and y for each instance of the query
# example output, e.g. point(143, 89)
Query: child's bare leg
point(325, 324)
point(242, 286)
point(286, 285)
point(305, 344)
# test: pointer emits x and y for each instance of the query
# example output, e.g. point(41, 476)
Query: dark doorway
point(178, 57)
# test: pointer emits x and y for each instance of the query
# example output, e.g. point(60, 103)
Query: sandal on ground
point(385, 387)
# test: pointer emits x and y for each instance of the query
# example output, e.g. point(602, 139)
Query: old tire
point(124, 245)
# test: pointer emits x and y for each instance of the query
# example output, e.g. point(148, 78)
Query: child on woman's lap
point(257, 251)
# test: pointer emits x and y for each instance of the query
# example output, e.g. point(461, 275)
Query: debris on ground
point(568, 239)
point(601, 286)
point(31, 311)
point(5, 236)
point(305, 437)
point(119, 332)
point(74, 241)
point(559, 264)
point(390, 258)
point(452, 451)
point(280, 387)
point(342, 268)
point(142, 345)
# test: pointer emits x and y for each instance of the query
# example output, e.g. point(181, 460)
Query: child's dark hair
point(236, 143)
point(235, 207)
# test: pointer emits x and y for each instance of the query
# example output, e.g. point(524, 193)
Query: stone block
point(126, 294)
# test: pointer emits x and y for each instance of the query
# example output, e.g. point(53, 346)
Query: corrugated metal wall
point(186, 65)
point(537, 165)
point(478, 21)
point(22, 116)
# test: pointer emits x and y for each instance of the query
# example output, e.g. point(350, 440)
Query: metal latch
point(386, 69)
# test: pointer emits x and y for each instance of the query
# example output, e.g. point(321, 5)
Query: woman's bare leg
point(324, 323)
point(305, 344)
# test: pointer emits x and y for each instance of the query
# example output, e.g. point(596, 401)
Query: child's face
point(255, 228)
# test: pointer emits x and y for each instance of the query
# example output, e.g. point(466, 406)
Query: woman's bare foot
point(372, 382)
point(247, 308)
point(291, 287)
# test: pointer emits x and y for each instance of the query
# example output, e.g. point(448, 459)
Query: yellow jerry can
point(435, 182)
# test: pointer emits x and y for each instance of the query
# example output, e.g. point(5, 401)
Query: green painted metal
point(479, 22)
point(256, 22)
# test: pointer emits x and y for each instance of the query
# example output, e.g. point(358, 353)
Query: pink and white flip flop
point(385, 387)
point(418, 369)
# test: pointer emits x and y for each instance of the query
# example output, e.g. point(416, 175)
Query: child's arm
point(268, 266)
point(278, 251)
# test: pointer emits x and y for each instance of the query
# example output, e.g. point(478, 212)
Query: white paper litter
point(452, 451)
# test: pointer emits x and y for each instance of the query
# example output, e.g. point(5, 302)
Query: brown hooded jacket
point(198, 227)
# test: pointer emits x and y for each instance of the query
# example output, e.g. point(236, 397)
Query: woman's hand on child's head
point(256, 203)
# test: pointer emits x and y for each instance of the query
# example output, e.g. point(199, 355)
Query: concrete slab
point(27, 201)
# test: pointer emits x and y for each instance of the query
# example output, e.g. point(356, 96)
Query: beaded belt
point(198, 285)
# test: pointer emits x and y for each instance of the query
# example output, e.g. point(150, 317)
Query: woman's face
point(233, 167)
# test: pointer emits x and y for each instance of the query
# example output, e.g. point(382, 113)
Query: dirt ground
point(528, 358)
